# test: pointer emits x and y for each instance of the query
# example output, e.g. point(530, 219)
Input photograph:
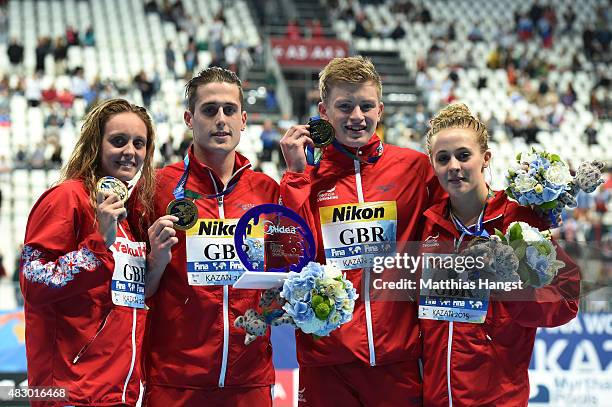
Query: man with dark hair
point(195, 356)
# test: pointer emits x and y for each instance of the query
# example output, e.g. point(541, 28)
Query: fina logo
point(431, 241)
point(271, 229)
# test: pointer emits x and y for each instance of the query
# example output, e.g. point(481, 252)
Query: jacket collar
point(207, 177)
point(440, 212)
point(368, 154)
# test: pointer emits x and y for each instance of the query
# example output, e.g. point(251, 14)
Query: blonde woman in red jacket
point(82, 272)
point(471, 364)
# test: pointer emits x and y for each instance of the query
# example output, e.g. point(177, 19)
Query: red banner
point(313, 53)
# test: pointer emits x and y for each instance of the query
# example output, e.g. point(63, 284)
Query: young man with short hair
point(372, 360)
point(194, 355)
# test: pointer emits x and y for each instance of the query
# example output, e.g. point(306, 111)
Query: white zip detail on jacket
point(225, 301)
point(366, 274)
point(448, 363)
point(133, 362)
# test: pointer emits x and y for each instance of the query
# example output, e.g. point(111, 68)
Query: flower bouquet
point(317, 300)
point(522, 253)
point(543, 181)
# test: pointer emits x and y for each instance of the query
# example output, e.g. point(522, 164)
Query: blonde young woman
point(471, 364)
point(83, 273)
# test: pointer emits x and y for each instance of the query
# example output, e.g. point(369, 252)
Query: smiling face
point(124, 146)
point(217, 119)
point(354, 110)
point(459, 162)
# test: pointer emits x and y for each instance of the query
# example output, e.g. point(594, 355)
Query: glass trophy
point(288, 245)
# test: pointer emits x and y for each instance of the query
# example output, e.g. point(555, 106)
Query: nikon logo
point(347, 213)
point(219, 228)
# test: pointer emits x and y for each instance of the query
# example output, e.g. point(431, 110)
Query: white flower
point(331, 271)
point(528, 157)
point(558, 173)
point(530, 234)
point(524, 183)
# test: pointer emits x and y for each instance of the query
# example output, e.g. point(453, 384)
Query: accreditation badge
point(354, 234)
point(448, 293)
point(211, 253)
point(128, 283)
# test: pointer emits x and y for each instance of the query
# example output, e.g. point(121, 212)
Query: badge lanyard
point(479, 230)
point(181, 193)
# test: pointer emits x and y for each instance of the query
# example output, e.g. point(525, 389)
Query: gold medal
point(112, 184)
point(322, 132)
point(185, 210)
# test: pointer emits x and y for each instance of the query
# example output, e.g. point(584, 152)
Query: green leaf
point(524, 274)
point(519, 247)
point(548, 205)
point(554, 158)
point(515, 232)
point(499, 234)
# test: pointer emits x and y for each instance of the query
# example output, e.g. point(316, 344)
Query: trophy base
point(260, 280)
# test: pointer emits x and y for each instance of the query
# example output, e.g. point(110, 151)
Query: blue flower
point(538, 263)
point(301, 312)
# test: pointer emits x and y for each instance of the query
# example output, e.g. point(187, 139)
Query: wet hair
point(350, 69)
point(457, 115)
point(210, 75)
point(85, 162)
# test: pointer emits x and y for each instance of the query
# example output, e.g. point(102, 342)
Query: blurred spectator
point(524, 28)
point(398, 31)
point(185, 144)
point(191, 57)
point(215, 38)
point(151, 7)
point(60, 53)
point(292, 31)
point(231, 54)
point(475, 34)
point(315, 29)
point(569, 97)
point(21, 160)
point(15, 53)
point(37, 159)
point(33, 92)
point(170, 58)
point(55, 160)
point(145, 87)
point(72, 36)
point(591, 134)
point(43, 47)
point(270, 138)
point(89, 39)
point(569, 16)
point(167, 150)
point(362, 28)
point(78, 84)
point(2, 269)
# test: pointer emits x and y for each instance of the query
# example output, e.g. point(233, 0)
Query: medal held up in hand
point(185, 210)
point(322, 134)
point(112, 184)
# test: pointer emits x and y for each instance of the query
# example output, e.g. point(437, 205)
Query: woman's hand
point(109, 211)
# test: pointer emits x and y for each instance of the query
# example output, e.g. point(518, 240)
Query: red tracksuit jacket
point(381, 332)
point(191, 340)
point(75, 337)
point(486, 364)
